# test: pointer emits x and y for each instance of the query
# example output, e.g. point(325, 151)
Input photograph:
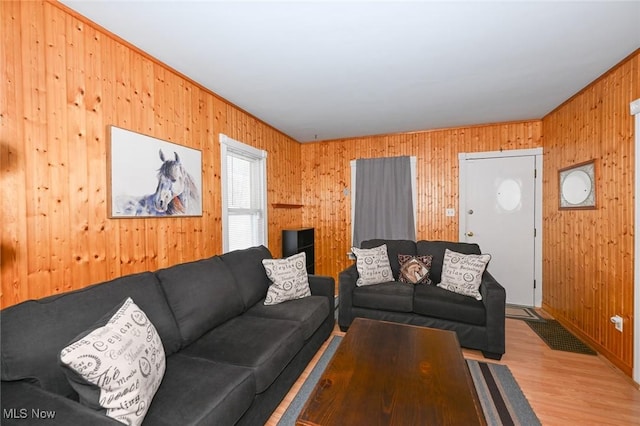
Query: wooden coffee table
point(394, 374)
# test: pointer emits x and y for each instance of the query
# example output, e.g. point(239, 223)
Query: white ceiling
point(336, 69)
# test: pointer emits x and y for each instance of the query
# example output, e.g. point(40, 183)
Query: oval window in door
point(509, 195)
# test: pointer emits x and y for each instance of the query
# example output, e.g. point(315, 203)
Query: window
point(244, 195)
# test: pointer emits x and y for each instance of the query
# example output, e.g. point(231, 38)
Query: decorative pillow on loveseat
point(414, 269)
point(288, 277)
point(462, 273)
point(117, 365)
point(373, 265)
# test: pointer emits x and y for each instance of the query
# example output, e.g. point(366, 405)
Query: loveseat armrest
point(346, 284)
point(25, 403)
point(322, 285)
point(494, 299)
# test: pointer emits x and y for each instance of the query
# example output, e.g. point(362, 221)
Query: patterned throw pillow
point(117, 365)
point(462, 273)
point(415, 269)
point(289, 279)
point(373, 265)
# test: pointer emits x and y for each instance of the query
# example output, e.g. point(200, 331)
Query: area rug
point(502, 400)
point(522, 313)
point(559, 338)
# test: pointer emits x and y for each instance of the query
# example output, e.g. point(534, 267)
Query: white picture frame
point(150, 177)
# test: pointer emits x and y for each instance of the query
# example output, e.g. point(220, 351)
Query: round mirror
point(576, 187)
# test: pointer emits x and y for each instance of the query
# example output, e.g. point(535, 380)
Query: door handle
point(470, 211)
point(469, 234)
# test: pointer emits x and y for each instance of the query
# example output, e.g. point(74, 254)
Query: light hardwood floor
point(563, 388)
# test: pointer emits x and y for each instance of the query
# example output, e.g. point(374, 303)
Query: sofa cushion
point(197, 391)
point(202, 294)
point(250, 278)
point(437, 248)
point(373, 265)
point(310, 312)
point(394, 248)
point(34, 332)
point(289, 280)
point(414, 269)
point(462, 273)
point(265, 345)
point(436, 302)
point(390, 296)
point(117, 365)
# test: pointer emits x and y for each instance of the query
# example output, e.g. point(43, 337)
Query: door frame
point(462, 192)
point(634, 108)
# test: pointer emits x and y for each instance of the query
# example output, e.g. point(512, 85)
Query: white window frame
point(414, 195)
point(228, 144)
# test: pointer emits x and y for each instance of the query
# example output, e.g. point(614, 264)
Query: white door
point(499, 215)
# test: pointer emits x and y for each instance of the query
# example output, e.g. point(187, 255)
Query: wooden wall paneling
point(107, 113)
point(284, 180)
point(76, 154)
point(327, 172)
point(214, 219)
point(58, 154)
point(96, 146)
point(588, 254)
point(12, 158)
point(67, 80)
point(33, 47)
point(206, 140)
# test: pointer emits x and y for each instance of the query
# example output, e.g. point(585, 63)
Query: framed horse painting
point(150, 177)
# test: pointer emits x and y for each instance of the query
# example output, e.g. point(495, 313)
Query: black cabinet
point(297, 241)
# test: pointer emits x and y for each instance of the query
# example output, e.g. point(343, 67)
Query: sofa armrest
point(494, 299)
point(321, 285)
point(25, 403)
point(346, 284)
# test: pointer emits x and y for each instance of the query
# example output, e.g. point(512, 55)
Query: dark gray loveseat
point(229, 358)
point(478, 324)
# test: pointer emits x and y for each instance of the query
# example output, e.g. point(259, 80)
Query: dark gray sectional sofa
point(229, 358)
point(479, 324)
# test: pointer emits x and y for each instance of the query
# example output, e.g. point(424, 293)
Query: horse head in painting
point(176, 189)
point(175, 194)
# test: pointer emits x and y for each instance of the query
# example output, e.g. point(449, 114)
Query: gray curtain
point(384, 202)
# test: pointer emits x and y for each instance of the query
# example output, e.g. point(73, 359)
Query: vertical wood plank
point(13, 162)
point(76, 153)
point(95, 139)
